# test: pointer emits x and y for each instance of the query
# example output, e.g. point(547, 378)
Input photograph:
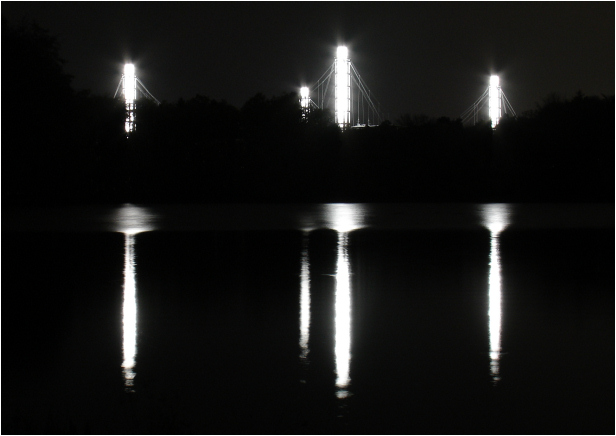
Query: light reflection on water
point(343, 317)
point(386, 396)
point(130, 220)
point(496, 218)
point(304, 316)
point(343, 218)
point(129, 312)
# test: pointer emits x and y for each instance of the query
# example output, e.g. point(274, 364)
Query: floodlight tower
point(304, 100)
point(494, 100)
point(130, 94)
point(343, 87)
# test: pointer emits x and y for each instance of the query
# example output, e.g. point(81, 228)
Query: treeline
point(62, 146)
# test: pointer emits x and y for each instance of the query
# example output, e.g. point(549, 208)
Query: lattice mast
point(304, 100)
point(342, 71)
point(129, 86)
point(494, 100)
point(132, 87)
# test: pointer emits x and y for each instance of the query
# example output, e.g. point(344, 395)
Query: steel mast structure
point(494, 100)
point(130, 84)
point(342, 71)
point(352, 101)
point(497, 102)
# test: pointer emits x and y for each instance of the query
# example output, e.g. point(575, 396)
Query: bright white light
point(304, 313)
point(129, 83)
point(342, 52)
point(495, 309)
point(131, 219)
point(494, 98)
point(496, 218)
point(304, 93)
point(130, 93)
point(129, 312)
point(344, 217)
point(343, 87)
point(343, 317)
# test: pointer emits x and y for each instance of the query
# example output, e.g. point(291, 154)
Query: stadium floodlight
point(130, 94)
point(343, 87)
point(130, 83)
point(304, 101)
point(494, 100)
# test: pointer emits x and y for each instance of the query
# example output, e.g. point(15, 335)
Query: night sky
point(432, 58)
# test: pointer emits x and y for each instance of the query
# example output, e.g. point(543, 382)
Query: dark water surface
point(308, 319)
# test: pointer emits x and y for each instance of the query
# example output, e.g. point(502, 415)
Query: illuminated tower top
point(343, 87)
point(130, 85)
point(342, 53)
point(494, 100)
point(130, 94)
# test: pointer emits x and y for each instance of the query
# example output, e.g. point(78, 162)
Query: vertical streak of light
point(130, 93)
point(494, 103)
point(496, 218)
point(343, 317)
point(342, 87)
point(494, 311)
point(129, 312)
point(304, 314)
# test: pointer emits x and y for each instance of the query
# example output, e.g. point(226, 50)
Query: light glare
point(131, 219)
point(495, 217)
point(494, 98)
point(343, 87)
point(344, 217)
point(130, 94)
point(304, 93)
point(342, 52)
point(129, 83)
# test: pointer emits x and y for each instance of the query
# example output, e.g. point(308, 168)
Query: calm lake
point(324, 318)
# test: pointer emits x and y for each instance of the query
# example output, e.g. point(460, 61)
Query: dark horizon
point(416, 58)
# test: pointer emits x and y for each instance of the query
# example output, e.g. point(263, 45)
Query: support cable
point(322, 85)
point(147, 93)
point(365, 91)
point(118, 88)
point(326, 89)
point(508, 104)
point(474, 105)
